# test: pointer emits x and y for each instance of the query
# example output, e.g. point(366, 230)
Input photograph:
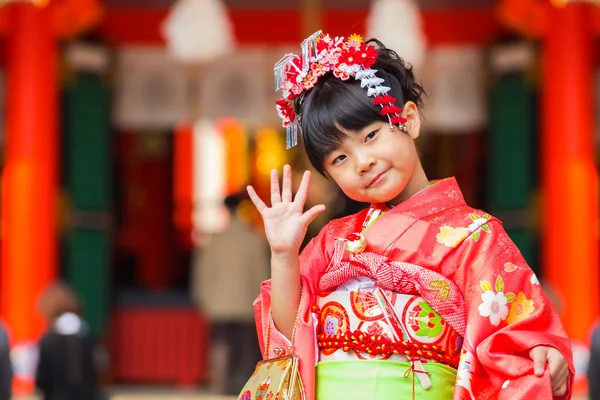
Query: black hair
point(334, 107)
point(233, 201)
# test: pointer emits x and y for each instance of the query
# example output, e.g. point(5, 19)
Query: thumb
point(539, 357)
point(310, 215)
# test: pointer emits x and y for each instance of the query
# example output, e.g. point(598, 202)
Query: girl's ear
point(413, 119)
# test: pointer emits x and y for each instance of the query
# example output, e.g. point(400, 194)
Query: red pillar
point(569, 176)
point(29, 180)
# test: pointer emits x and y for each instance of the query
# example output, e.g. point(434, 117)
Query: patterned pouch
point(275, 379)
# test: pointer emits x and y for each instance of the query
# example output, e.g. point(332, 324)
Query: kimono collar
point(442, 195)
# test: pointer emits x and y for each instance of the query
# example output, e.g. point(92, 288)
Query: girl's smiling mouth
point(378, 179)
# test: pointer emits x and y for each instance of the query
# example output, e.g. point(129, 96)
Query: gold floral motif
point(451, 237)
point(442, 287)
point(520, 309)
point(355, 38)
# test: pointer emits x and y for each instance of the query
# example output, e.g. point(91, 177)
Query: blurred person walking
point(66, 369)
point(593, 371)
point(6, 370)
point(226, 277)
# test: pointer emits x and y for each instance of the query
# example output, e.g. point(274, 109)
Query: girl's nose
point(364, 163)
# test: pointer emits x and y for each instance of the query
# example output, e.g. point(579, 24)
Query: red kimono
point(475, 278)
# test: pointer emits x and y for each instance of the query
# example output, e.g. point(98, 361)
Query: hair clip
point(280, 69)
point(309, 45)
point(296, 76)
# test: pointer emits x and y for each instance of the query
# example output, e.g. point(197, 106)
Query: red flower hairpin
point(321, 54)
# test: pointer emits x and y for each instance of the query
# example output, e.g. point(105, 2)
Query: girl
point(418, 295)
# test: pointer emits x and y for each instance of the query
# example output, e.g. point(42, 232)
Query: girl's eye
point(338, 159)
point(370, 136)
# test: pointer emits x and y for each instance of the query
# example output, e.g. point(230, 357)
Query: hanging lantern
point(236, 155)
point(397, 23)
point(198, 31)
point(269, 153)
point(208, 177)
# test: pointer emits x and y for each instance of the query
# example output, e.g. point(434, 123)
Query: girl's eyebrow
point(332, 148)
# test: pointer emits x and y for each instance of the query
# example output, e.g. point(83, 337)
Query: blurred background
point(126, 124)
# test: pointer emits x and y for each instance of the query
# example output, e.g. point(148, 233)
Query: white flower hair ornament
point(295, 75)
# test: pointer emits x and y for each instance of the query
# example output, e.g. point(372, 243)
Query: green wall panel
point(511, 160)
point(88, 176)
point(87, 273)
point(88, 138)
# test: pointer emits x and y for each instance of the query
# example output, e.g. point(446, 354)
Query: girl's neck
point(416, 183)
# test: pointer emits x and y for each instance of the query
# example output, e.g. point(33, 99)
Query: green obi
point(381, 380)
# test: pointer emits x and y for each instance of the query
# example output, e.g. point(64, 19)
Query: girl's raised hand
point(285, 221)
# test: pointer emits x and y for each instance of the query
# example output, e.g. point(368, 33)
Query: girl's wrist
point(284, 255)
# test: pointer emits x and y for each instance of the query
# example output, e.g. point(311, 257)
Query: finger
point(539, 357)
point(560, 378)
point(275, 194)
point(303, 189)
point(258, 203)
point(556, 363)
point(311, 214)
point(286, 192)
point(560, 391)
point(558, 382)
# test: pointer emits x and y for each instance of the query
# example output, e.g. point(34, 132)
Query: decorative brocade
point(343, 312)
point(438, 291)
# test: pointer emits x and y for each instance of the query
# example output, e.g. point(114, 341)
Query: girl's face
point(379, 164)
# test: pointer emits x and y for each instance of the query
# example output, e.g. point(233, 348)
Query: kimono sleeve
point(314, 259)
point(507, 315)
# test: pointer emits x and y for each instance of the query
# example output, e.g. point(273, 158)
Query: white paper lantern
point(208, 175)
point(397, 23)
point(198, 31)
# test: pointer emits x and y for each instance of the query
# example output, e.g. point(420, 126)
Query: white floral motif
point(493, 306)
point(476, 224)
point(534, 280)
point(267, 381)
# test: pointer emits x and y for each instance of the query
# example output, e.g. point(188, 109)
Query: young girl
point(417, 296)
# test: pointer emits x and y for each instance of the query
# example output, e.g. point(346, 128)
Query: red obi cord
point(381, 345)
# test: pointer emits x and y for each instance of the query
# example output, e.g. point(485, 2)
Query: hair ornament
point(320, 54)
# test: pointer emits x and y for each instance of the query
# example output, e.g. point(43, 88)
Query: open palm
point(285, 221)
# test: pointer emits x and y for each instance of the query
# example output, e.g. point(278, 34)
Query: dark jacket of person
point(6, 371)
point(66, 368)
point(593, 372)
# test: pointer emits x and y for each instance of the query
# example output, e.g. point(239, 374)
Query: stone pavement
point(150, 393)
point(170, 394)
